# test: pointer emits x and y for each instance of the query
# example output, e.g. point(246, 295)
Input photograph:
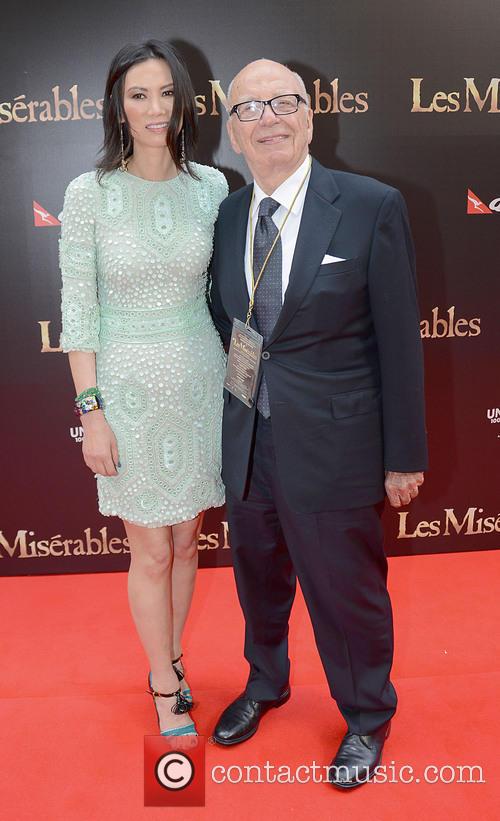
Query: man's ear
point(310, 126)
point(234, 143)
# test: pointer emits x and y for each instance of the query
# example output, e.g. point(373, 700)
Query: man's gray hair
point(297, 76)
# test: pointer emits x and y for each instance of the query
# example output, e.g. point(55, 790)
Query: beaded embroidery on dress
point(134, 256)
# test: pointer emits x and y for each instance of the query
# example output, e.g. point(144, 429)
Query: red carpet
point(73, 707)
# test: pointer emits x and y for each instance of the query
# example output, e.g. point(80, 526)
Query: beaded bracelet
point(88, 392)
point(88, 400)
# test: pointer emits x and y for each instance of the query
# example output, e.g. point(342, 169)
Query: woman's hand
point(100, 450)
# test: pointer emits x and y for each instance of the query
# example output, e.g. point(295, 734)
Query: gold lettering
point(417, 97)
point(19, 105)
point(200, 101)
point(213, 541)
point(492, 91)
point(425, 329)
point(475, 326)
point(440, 95)
point(467, 522)
point(87, 104)
point(5, 113)
point(59, 104)
point(43, 548)
point(217, 94)
point(318, 97)
point(91, 542)
point(362, 102)
point(45, 112)
point(488, 524)
point(114, 540)
point(402, 534)
point(461, 323)
point(20, 543)
point(55, 542)
point(346, 97)
point(44, 329)
point(32, 105)
point(335, 96)
point(74, 96)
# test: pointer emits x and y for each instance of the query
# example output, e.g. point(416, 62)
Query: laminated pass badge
point(243, 362)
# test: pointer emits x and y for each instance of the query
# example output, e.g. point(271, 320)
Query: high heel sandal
point(186, 692)
point(181, 706)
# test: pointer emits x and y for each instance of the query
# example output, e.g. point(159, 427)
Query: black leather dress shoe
point(357, 757)
point(241, 719)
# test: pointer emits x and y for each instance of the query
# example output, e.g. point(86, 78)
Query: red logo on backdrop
point(475, 205)
point(42, 218)
point(174, 771)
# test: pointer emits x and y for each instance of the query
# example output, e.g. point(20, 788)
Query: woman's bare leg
point(150, 599)
point(185, 564)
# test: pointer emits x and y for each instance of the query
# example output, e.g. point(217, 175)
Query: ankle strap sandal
point(181, 704)
point(186, 691)
point(179, 673)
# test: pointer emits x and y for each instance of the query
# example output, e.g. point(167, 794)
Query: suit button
point(266, 355)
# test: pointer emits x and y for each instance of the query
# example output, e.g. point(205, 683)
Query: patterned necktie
point(268, 294)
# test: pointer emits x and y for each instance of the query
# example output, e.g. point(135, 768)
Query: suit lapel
point(234, 258)
point(319, 222)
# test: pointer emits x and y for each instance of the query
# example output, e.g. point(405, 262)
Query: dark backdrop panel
point(405, 92)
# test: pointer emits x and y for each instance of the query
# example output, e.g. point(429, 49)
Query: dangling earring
point(183, 151)
point(124, 162)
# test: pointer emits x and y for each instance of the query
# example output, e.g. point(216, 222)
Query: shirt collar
point(285, 192)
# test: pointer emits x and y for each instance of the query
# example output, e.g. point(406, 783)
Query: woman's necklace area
point(126, 168)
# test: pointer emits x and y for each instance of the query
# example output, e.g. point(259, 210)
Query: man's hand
point(402, 488)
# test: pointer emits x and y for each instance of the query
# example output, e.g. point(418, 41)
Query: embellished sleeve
point(215, 185)
point(221, 188)
point(77, 260)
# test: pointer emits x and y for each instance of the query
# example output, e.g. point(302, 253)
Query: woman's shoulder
point(84, 187)
point(213, 179)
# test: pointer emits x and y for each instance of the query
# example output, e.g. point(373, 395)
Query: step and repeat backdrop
point(405, 92)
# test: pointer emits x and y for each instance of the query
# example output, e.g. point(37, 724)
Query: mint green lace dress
point(134, 256)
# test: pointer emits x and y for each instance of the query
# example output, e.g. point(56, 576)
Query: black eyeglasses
point(254, 109)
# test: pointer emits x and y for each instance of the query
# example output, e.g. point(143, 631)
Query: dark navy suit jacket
point(344, 372)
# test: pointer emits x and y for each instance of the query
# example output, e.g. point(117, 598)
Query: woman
point(146, 361)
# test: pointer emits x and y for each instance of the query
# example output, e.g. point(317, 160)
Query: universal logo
point(477, 206)
point(466, 100)
point(76, 433)
point(68, 105)
point(470, 523)
point(493, 414)
point(449, 326)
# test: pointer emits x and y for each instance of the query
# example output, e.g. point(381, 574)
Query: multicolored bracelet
point(88, 400)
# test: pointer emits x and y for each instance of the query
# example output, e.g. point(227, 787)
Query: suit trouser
point(339, 559)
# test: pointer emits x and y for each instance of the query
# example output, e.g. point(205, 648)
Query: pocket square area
point(327, 259)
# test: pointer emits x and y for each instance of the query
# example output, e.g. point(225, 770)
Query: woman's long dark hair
point(183, 122)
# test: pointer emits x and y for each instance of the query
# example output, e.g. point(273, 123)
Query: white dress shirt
point(283, 194)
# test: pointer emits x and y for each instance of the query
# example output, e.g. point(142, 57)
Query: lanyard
point(255, 282)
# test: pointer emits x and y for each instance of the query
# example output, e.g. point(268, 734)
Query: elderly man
point(313, 279)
